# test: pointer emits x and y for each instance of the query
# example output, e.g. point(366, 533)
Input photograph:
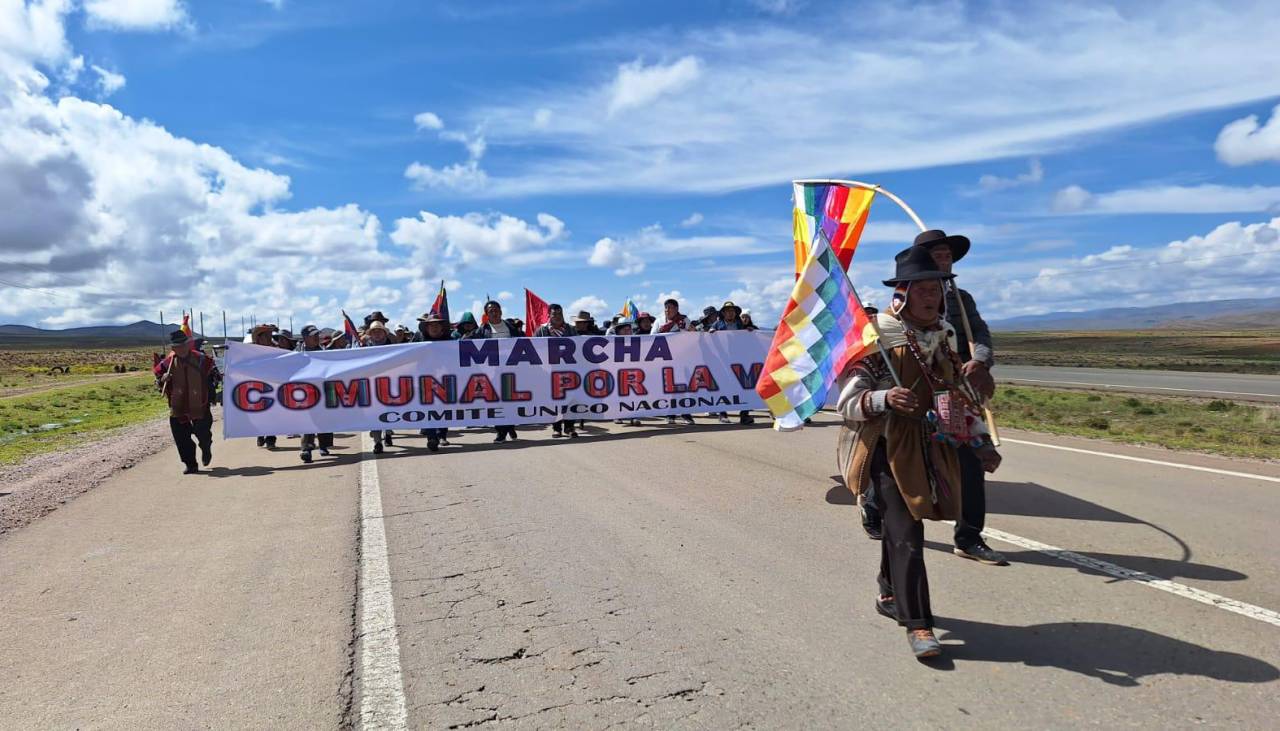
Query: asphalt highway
point(1240, 387)
point(641, 577)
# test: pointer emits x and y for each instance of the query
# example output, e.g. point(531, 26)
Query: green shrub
point(1220, 405)
point(1097, 422)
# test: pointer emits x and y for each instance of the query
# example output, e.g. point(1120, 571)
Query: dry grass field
point(1177, 350)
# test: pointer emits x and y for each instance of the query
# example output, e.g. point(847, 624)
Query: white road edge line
point(1230, 605)
point(1015, 380)
point(382, 704)
point(1197, 468)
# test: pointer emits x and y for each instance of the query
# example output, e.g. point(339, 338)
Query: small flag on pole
point(536, 313)
point(441, 305)
point(186, 325)
point(349, 329)
point(823, 328)
point(629, 311)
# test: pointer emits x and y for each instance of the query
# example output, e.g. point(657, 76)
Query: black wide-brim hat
point(915, 264)
point(959, 245)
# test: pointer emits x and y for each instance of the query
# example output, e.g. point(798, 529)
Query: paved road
point(1241, 387)
point(653, 577)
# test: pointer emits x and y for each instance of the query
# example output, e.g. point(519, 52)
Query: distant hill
point(1240, 314)
point(143, 332)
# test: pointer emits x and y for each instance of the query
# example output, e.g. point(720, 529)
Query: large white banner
point(488, 382)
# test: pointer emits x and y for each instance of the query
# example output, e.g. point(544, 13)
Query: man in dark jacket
point(378, 334)
point(311, 342)
point(496, 327)
point(585, 324)
point(432, 327)
point(977, 357)
point(556, 327)
point(186, 378)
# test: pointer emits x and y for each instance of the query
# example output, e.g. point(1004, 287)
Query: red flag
point(536, 313)
point(441, 305)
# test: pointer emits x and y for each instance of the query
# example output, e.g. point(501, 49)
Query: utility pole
point(162, 333)
point(202, 323)
point(224, 328)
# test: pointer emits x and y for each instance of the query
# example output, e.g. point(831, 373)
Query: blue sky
point(296, 158)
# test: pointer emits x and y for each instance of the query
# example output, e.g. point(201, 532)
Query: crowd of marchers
point(190, 378)
point(432, 325)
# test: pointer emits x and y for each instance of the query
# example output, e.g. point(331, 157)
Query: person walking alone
point(186, 377)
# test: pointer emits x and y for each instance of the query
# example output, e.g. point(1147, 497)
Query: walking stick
point(968, 333)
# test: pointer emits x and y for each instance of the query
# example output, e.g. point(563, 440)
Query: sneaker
point(444, 441)
point(306, 456)
point(923, 643)
point(324, 451)
point(387, 440)
point(377, 447)
point(687, 419)
point(724, 418)
point(887, 607)
point(433, 444)
point(500, 438)
point(981, 553)
point(206, 456)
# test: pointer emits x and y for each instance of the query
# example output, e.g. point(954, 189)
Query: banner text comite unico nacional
point(487, 382)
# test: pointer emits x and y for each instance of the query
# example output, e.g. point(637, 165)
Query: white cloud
point(694, 219)
point(992, 183)
point(1026, 80)
point(464, 177)
point(1233, 260)
point(136, 15)
point(609, 253)
point(637, 85)
point(1170, 199)
point(477, 237)
point(591, 303)
point(542, 118)
point(1071, 199)
point(427, 120)
point(1243, 142)
point(276, 4)
point(109, 82)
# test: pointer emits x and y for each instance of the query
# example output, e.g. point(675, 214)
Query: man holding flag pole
point(907, 406)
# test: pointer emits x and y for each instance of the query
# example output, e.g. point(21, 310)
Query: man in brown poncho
point(186, 377)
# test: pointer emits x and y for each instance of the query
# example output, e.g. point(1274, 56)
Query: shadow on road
point(1162, 568)
point(1115, 654)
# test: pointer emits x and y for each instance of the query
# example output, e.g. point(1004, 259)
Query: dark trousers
point(309, 440)
point(565, 425)
point(507, 431)
point(973, 499)
point(902, 574)
point(201, 429)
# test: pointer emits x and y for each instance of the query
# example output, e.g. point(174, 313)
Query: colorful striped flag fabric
point(349, 329)
point(441, 305)
point(629, 311)
point(839, 212)
point(823, 328)
point(186, 325)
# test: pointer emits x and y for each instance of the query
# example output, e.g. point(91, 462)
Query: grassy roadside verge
point(1255, 351)
point(1219, 427)
point(57, 419)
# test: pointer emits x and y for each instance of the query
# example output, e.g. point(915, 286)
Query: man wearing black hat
point(187, 379)
point(978, 358)
point(311, 342)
